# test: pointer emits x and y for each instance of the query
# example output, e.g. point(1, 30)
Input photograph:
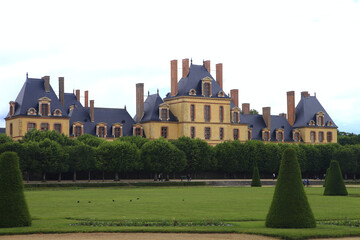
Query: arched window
point(329, 137)
point(312, 136)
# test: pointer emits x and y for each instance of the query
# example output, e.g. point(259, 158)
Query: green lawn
point(58, 210)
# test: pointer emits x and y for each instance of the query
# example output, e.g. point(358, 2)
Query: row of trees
point(49, 152)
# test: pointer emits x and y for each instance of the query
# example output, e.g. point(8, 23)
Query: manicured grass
point(56, 209)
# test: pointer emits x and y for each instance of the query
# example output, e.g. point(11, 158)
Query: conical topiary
point(13, 207)
point(290, 207)
point(334, 181)
point(256, 178)
point(326, 176)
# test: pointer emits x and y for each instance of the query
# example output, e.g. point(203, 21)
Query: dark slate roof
point(193, 81)
point(307, 109)
point(28, 97)
point(257, 124)
point(151, 109)
point(69, 100)
point(2, 130)
point(109, 116)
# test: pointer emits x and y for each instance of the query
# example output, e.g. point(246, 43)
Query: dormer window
point(280, 135)
point(117, 130)
point(221, 94)
point(31, 112)
point(12, 108)
point(57, 113)
point(249, 133)
point(192, 92)
point(206, 87)
point(312, 123)
point(320, 119)
point(329, 124)
point(235, 115)
point(266, 134)
point(78, 129)
point(101, 130)
point(44, 106)
point(164, 110)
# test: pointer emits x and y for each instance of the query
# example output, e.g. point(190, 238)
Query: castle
point(196, 107)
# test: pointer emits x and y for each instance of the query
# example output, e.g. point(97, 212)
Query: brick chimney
point(185, 67)
point(207, 65)
point(291, 107)
point(235, 96)
point(267, 116)
point(219, 74)
point(86, 98)
point(139, 102)
point(305, 94)
point(174, 77)
point(246, 108)
point(78, 94)
point(61, 90)
point(46, 83)
point(92, 111)
point(282, 115)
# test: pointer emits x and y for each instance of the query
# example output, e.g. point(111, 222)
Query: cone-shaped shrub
point(326, 176)
point(334, 181)
point(290, 207)
point(256, 178)
point(13, 208)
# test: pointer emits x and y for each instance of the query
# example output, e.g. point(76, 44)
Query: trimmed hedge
point(256, 178)
point(334, 181)
point(13, 207)
point(290, 207)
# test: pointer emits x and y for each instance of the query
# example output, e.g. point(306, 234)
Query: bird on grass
point(78, 201)
point(130, 200)
point(89, 201)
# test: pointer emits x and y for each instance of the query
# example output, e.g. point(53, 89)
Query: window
point(249, 134)
point(57, 112)
point(44, 109)
point(279, 136)
point(77, 131)
point(164, 114)
point(207, 133)
point(312, 137)
point(192, 132)
point(206, 89)
point(137, 131)
point(11, 129)
point(117, 132)
point(221, 133)
point(320, 120)
point(192, 112)
point(321, 136)
point(235, 117)
point(101, 132)
point(329, 137)
point(312, 123)
point(57, 127)
point(31, 111)
point(207, 113)
point(236, 134)
point(164, 132)
point(221, 113)
point(44, 126)
point(297, 137)
point(266, 135)
point(31, 126)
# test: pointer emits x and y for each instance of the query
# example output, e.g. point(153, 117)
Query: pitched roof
point(69, 100)
point(151, 109)
point(29, 95)
point(307, 109)
point(109, 116)
point(2, 130)
point(193, 81)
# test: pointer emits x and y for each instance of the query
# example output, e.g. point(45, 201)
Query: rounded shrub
point(334, 181)
point(290, 207)
point(256, 178)
point(13, 207)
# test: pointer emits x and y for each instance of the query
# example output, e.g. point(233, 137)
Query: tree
point(345, 155)
point(256, 178)
point(81, 157)
point(90, 140)
point(4, 138)
point(51, 158)
point(334, 181)
point(13, 207)
point(137, 140)
point(289, 207)
point(30, 161)
point(227, 161)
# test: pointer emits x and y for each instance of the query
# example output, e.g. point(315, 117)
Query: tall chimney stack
point(219, 74)
point(185, 67)
point(174, 77)
point(92, 111)
point(139, 102)
point(291, 107)
point(46, 83)
point(267, 117)
point(61, 90)
point(86, 98)
point(207, 65)
point(305, 94)
point(246, 108)
point(78, 94)
point(235, 96)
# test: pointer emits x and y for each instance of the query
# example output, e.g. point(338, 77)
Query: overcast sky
point(267, 48)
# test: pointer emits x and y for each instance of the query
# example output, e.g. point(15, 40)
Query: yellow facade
point(306, 135)
point(20, 125)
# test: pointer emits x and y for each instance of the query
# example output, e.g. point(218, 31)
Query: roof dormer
point(164, 110)
point(206, 87)
point(44, 106)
